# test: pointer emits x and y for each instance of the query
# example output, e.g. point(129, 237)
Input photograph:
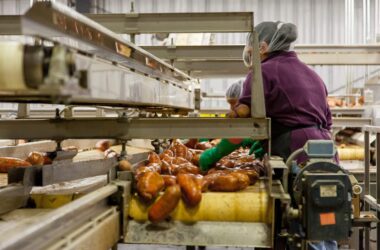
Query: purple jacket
point(294, 96)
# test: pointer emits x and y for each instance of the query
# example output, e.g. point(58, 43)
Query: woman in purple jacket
point(295, 96)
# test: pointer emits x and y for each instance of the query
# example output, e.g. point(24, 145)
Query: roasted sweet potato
point(125, 165)
point(165, 167)
point(36, 158)
point(169, 180)
point(186, 168)
point(103, 145)
point(166, 204)
point(155, 167)
point(189, 155)
point(179, 150)
point(167, 152)
point(179, 161)
point(195, 159)
point(203, 145)
point(109, 153)
point(149, 185)
point(154, 158)
point(229, 182)
point(252, 174)
point(191, 189)
point(7, 163)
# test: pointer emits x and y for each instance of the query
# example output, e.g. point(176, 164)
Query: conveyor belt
point(250, 205)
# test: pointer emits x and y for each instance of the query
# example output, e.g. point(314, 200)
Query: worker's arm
point(212, 155)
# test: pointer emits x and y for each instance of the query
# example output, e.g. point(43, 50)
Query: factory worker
point(295, 96)
point(295, 99)
point(233, 93)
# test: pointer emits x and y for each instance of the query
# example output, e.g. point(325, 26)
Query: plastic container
point(368, 96)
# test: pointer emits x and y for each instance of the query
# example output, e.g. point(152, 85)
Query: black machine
point(322, 196)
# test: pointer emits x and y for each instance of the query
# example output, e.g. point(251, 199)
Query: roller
point(351, 153)
point(251, 205)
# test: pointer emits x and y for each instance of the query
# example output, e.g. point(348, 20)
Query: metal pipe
point(377, 19)
point(368, 39)
point(366, 183)
point(37, 226)
point(378, 186)
point(364, 19)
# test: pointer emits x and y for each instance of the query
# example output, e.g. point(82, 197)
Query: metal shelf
point(139, 23)
point(206, 60)
point(352, 122)
point(347, 111)
point(134, 128)
point(50, 20)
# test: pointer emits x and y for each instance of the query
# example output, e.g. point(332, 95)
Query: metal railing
point(370, 201)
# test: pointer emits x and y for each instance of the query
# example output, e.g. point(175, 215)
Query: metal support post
point(366, 184)
point(378, 187)
point(23, 110)
point(257, 88)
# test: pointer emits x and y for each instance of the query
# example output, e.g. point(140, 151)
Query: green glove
point(247, 142)
point(212, 155)
point(257, 149)
point(203, 140)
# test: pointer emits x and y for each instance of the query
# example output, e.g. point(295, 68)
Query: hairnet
point(279, 36)
point(234, 90)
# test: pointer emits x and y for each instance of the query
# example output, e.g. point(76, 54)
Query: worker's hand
point(212, 155)
point(257, 149)
point(242, 111)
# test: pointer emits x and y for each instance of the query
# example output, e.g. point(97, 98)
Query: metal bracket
point(121, 199)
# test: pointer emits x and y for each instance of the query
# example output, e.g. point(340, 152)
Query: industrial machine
point(325, 196)
point(67, 61)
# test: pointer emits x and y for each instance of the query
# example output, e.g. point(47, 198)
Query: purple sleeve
point(245, 97)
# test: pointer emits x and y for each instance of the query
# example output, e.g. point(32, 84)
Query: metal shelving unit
point(46, 21)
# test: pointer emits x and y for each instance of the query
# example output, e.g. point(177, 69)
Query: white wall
point(318, 21)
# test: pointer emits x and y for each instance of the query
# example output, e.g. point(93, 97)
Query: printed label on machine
point(327, 219)
point(328, 191)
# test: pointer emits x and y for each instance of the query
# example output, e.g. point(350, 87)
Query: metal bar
point(61, 172)
point(101, 232)
point(372, 129)
point(49, 20)
point(220, 68)
point(356, 122)
point(257, 88)
point(38, 227)
point(233, 52)
point(347, 111)
point(312, 55)
point(13, 197)
point(204, 68)
point(139, 23)
point(366, 182)
point(10, 25)
point(134, 128)
point(371, 201)
point(378, 187)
